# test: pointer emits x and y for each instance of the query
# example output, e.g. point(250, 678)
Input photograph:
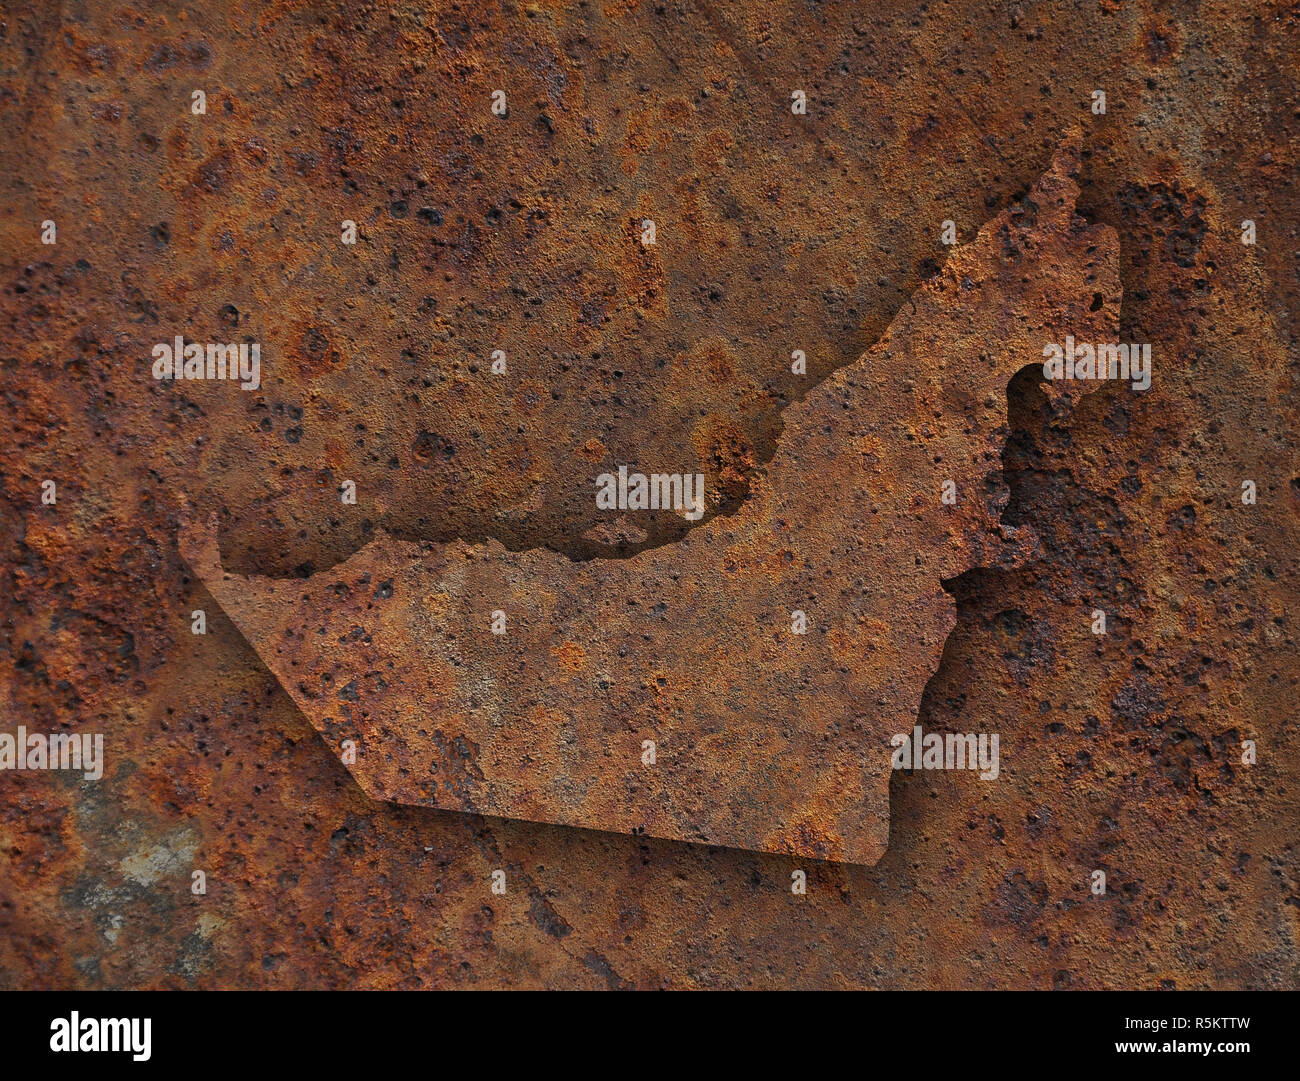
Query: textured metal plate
point(1120, 752)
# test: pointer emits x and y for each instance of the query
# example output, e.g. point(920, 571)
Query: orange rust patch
point(570, 655)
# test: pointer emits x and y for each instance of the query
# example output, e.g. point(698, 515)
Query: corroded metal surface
point(766, 733)
point(1120, 752)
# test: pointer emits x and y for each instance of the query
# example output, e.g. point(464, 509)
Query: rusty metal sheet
point(1121, 753)
point(768, 658)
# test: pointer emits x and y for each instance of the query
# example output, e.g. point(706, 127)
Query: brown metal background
point(1120, 753)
